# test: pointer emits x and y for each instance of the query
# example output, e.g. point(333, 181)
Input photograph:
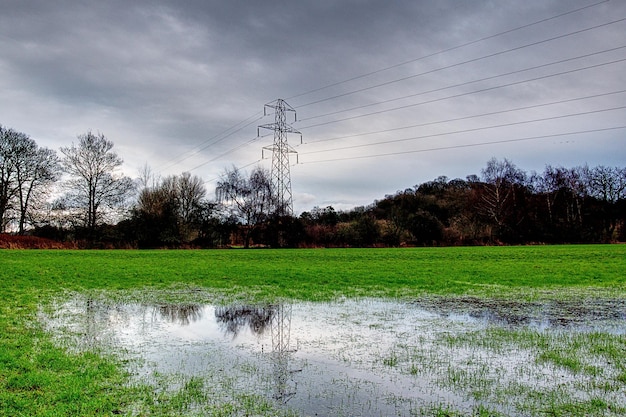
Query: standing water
point(350, 357)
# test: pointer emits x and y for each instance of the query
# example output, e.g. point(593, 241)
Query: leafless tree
point(172, 210)
point(95, 184)
point(498, 199)
point(10, 147)
point(26, 171)
point(147, 178)
point(562, 187)
point(605, 183)
point(39, 170)
point(249, 200)
point(191, 194)
point(186, 193)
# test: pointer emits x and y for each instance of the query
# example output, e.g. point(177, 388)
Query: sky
point(386, 94)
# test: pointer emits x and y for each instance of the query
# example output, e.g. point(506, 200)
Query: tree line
point(81, 197)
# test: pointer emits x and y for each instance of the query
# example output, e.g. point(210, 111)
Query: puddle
point(350, 357)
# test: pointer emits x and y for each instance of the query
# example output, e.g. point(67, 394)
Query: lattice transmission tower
point(281, 176)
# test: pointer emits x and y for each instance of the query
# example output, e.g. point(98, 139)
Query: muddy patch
point(361, 357)
point(578, 315)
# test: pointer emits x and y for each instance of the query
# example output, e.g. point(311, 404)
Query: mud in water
point(579, 314)
point(349, 357)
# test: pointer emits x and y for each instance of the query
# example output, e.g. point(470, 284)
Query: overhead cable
point(543, 119)
point(214, 140)
point(482, 90)
point(468, 145)
point(465, 83)
point(456, 119)
point(450, 49)
point(517, 48)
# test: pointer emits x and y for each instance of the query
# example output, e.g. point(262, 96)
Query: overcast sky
point(388, 94)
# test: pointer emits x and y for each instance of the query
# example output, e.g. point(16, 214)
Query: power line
point(517, 48)
point(254, 139)
point(543, 119)
point(449, 49)
point(214, 140)
point(469, 145)
point(482, 90)
point(237, 168)
point(466, 83)
point(446, 121)
point(456, 119)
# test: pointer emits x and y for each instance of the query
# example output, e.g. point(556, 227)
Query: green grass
point(324, 273)
point(39, 378)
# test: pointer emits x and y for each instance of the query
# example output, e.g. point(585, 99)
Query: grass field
point(39, 378)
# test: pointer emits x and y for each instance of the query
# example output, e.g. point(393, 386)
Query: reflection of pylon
point(281, 328)
point(281, 177)
point(281, 331)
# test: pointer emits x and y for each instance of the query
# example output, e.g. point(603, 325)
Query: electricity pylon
point(281, 177)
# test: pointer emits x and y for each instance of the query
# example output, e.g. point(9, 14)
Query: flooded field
point(366, 357)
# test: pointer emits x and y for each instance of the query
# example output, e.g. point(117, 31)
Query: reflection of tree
point(99, 317)
point(91, 329)
point(182, 314)
point(234, 318)
point(258, 319)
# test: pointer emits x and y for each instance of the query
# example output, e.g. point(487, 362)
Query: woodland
point(81, 200)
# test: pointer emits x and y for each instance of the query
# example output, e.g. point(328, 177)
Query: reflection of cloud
point(233, 318)
point(182, 314)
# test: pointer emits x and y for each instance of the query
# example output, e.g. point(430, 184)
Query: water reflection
point(285, 386)
point(353, 357)
point(101, 319)
point(90, 329)
point(543, 315)
point(258, 319)
point(234, 318)
point(182, 314)
point(95, 323)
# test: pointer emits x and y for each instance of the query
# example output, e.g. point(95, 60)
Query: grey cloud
point(162, 78)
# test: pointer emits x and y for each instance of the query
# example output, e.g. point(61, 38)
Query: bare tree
point(186, 196)
point(563, 190)
point(249, 200)
point(95, 184)
point(25, 172)
point(171, 212)
point(156, 215)
point(10, 147)
point(191, 192)
point(607, 185)
point(498, 199)
point(147, 178)
point(39, 168)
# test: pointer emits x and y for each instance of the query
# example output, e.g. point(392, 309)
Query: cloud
point(181, 85)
